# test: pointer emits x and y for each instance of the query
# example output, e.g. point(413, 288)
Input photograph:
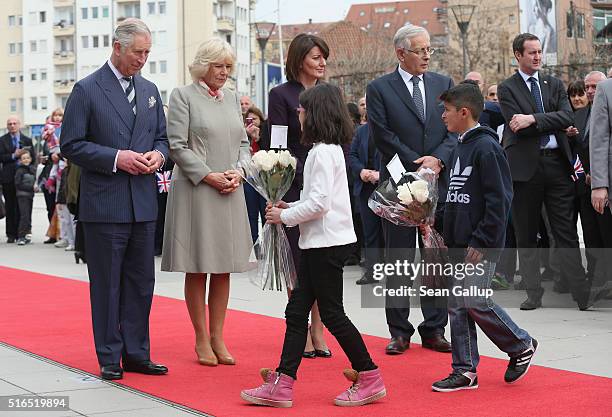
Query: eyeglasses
point(421, 52)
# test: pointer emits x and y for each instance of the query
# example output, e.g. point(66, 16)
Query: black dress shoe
point(309, 354)
point(323, 353)
point(50, 240)
point(366, 279)
point(10, 240)
point(437, 343)
point(591, 298)
point(111, 372)
point(397, 345)
point(145, 367)
point(531, 303)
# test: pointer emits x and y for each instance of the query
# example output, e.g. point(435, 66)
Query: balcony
point(601, 4)
point(63, 57)
point(63, 28)
point(63, 3)
point(63, 86)
point(225, 24)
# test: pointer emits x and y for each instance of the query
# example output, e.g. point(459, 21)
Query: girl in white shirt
point(326, 233)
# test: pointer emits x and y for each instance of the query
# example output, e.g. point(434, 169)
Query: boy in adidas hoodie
point(475, 217)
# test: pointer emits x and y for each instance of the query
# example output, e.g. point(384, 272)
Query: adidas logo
point(457, 181)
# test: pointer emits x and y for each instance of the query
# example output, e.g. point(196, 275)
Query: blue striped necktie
point(535, 92)
point(130, 93)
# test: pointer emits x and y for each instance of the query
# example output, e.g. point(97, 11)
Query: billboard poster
point(539, 18)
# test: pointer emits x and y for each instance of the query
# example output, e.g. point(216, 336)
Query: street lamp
point(463, 14)
point(263, 31)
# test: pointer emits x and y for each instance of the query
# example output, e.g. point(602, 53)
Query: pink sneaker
point(367, 387)
point(277, 390)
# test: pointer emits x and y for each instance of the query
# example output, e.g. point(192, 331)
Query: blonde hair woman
point(207, 231)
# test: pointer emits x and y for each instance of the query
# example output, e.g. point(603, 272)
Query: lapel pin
point(152, 101)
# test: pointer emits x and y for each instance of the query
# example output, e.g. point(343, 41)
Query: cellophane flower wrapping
point(412, 203)
point(271, 174)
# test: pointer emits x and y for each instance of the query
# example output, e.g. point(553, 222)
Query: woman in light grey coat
point(207, 229)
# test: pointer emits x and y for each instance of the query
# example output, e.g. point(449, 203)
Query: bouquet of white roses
point(271, 174)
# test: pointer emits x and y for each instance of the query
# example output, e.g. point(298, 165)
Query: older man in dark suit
point(115, 129)
point(12, 146)
point(537, 113)
point(405, 118)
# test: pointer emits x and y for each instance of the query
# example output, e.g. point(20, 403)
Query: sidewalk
point(569, 339)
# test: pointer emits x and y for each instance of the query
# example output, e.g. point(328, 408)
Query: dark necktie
point(418, 98)
point(130, 93)
point(535, 92)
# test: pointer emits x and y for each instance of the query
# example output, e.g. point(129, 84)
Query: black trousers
point(320, 279)
point(552, 186)
point(49, 202)
point(597, 233)
point(121, 282)
point(25, 215)
point(162, 199)
point(372, 230)
point(12, 209)
point(400, 244)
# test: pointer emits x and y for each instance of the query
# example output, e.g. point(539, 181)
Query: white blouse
point(324, 209)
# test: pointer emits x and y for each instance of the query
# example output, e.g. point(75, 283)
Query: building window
point(85, 41)
point(12, 20)
point(151, 8)
point(34, 101)
point(162, 7)
point(20, 48)
point(163, 67)
point(94, 12)
point(164, 96)
point(12, 48)
point(84, 13)
point(32, 75)
point(43, 46)
point(42, 16)
point(387, 24)
point(161, 38)
point(106, 40)
point(511, 18)
point(362, 13)
point(105, 12)
point(21, 76)
point(153, 67)
point(43, 75)
point(43, 103)
point(95, 41)
point(13, 105)
point(33, 18)
point(33, 46)
point(580, 25)
point(12, 77)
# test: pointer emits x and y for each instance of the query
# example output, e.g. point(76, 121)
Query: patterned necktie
point(418, 98)
point(130, 93)
point(535, 92)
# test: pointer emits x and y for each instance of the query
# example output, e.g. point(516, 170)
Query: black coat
point(25, 177)
point(9, 165)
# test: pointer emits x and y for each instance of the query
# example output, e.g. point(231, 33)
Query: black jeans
point(320, 279)
point(12, 209)
point(25, 215)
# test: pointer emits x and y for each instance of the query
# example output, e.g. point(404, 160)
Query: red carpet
point(50, 316)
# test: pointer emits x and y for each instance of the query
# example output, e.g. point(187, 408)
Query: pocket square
point(152, 101)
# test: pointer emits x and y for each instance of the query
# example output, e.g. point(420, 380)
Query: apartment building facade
point(51, 44)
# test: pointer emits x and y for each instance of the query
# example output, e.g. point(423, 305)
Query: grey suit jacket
point(600, 137)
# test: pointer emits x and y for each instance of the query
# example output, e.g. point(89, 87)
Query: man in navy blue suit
point(115, 130)
point(405, 118)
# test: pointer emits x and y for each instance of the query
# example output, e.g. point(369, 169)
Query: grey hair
point(213, 50)
point(126, 29)
point(596, 73)
point(405, 33)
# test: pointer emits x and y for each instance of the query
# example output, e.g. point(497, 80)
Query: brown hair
point(255, 110)
point(298, 49)
point(327, 118)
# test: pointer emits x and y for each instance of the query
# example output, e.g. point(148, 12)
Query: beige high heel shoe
point(223, 359)
point(206, 360)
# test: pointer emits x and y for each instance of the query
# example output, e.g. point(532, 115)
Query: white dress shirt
point(552, 143)
point(407, 77)
point(324, 209)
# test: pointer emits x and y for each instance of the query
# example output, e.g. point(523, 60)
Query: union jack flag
point(578, 169)
point(163, 181)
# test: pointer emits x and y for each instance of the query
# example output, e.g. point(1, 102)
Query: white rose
point(258, 158)
point(404, 194)
point(273, 156)
point(284, 158)
point(267, 162)
point(421, 195)
point(293, 162)
point(419, 185)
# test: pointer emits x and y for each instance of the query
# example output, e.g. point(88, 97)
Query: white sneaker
point(69, 248)
point(62, 243)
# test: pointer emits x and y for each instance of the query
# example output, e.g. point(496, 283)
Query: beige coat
point(205, 231)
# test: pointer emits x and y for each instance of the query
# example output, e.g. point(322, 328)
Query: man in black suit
point(12, 146)
point(115, 130)
point(405, 118)
point(537, 113)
